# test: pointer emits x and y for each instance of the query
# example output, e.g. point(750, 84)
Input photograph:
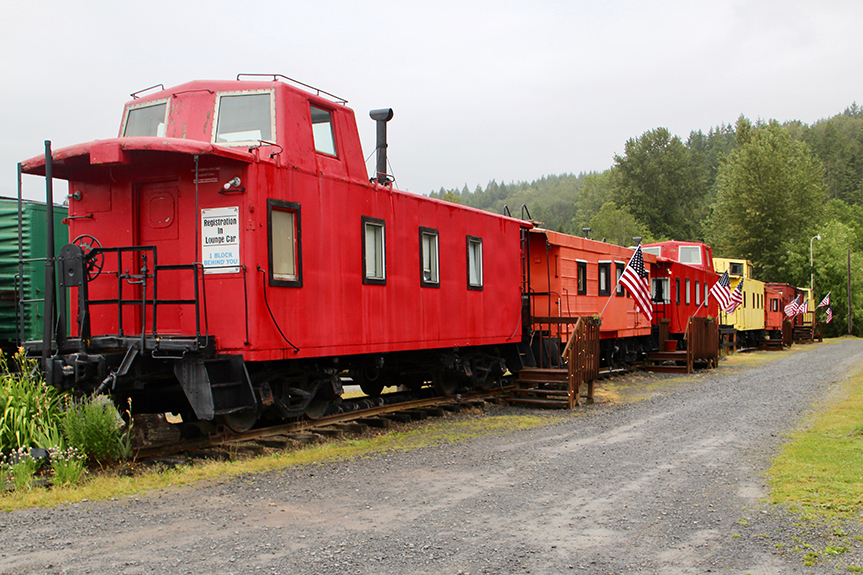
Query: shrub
point(93, 426)
point(67, 464)
point(29, 408)
point(22, 468)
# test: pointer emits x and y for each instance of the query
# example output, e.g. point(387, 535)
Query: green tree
point(770, 198)
point(831, 275)
point(615, 225)
point(663, 184)
point(598, 189)
point(451, 196)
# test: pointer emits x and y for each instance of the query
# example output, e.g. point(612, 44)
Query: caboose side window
point(604, 275)
point(285, 254)
point(689, 255)
point(687, 291)
point(659, 289)
point(697, 294)
point(620, 289)
point(582, 277)
point(146, 120)
point(474, 263)
point(322, 131)
point(374, 252)
point(429, 276)
point(735, 268)
point(676, 291)
point(244, 118)
point(706, 292)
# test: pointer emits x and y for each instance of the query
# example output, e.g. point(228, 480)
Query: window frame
point(474, 240)
point(335, 151)
point(581, 279)
point(687, 291)
point(697, 293)
point(606, 267)
point(293, 207)
point(147, 104)
point(374, 279)
point(619, 291)
point(435, 281)
point(239, 143)
point(676, 291)
point(666, 292)
point(689, 249)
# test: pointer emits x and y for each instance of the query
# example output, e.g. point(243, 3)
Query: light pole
point(812, 266)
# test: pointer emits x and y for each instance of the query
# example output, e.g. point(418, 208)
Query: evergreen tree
point(663, 184)
point(770, 199)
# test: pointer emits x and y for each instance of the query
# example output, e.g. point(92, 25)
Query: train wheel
point(317, 408)
point(372, 388)
point(239, 421)
point(444, 385)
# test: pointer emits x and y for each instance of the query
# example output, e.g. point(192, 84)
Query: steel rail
point(150, 451)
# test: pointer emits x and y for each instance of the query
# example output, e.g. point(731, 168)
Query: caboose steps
point(669, 362)
point(804, 334)
point(547, 387)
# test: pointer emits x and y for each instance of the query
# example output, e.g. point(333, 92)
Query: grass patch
point(108, 485)
point(820, 470)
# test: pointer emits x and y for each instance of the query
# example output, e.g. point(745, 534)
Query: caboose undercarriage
point(184, 376)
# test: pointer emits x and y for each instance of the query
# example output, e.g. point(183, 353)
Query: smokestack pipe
point(381, 116)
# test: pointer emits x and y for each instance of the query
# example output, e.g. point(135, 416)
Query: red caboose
point(776, 323)
point(681, 286)
point(237, 258)
point(571, 277)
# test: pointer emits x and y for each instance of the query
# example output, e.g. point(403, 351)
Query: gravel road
point(669, 484)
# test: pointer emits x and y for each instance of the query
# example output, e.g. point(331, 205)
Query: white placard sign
point(220, 240)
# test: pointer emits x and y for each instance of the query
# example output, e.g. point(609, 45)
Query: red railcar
point(777, 296)
point(681, 286)
point(573, 277)
point(240, 260)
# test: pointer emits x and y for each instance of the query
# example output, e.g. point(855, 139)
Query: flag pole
point(608, 301)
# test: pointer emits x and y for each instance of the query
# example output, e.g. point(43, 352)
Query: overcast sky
point(480, 90)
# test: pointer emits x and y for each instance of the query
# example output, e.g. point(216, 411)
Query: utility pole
point(849, 291)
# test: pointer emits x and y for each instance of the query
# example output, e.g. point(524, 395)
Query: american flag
point(825, 301)
point(634, 278)
point(736, 297)
point(791, 308)
point(804, 307)
point(721, 290)
point(829, 314)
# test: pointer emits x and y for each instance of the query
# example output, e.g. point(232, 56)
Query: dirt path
point(668, 484)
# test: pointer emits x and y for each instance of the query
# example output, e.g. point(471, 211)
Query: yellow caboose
point(748, 318)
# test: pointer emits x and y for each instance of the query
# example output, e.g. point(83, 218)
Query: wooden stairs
point(702, 345)
point(669, 362)
point(549, 387)
point(568, 386)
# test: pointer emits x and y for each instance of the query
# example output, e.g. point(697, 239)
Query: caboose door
point(161, 224)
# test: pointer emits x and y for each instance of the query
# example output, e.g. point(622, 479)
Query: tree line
point(756, 190)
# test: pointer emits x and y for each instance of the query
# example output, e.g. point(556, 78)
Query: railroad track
point(409, 409)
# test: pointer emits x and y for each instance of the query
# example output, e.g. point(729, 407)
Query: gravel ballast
point(673, 483)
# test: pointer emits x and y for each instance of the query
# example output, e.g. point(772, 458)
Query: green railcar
point(29, 315)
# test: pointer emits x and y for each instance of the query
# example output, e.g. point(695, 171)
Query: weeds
point(22, 468)
point(93, 426)
point(29, 408)
point(67, 465)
